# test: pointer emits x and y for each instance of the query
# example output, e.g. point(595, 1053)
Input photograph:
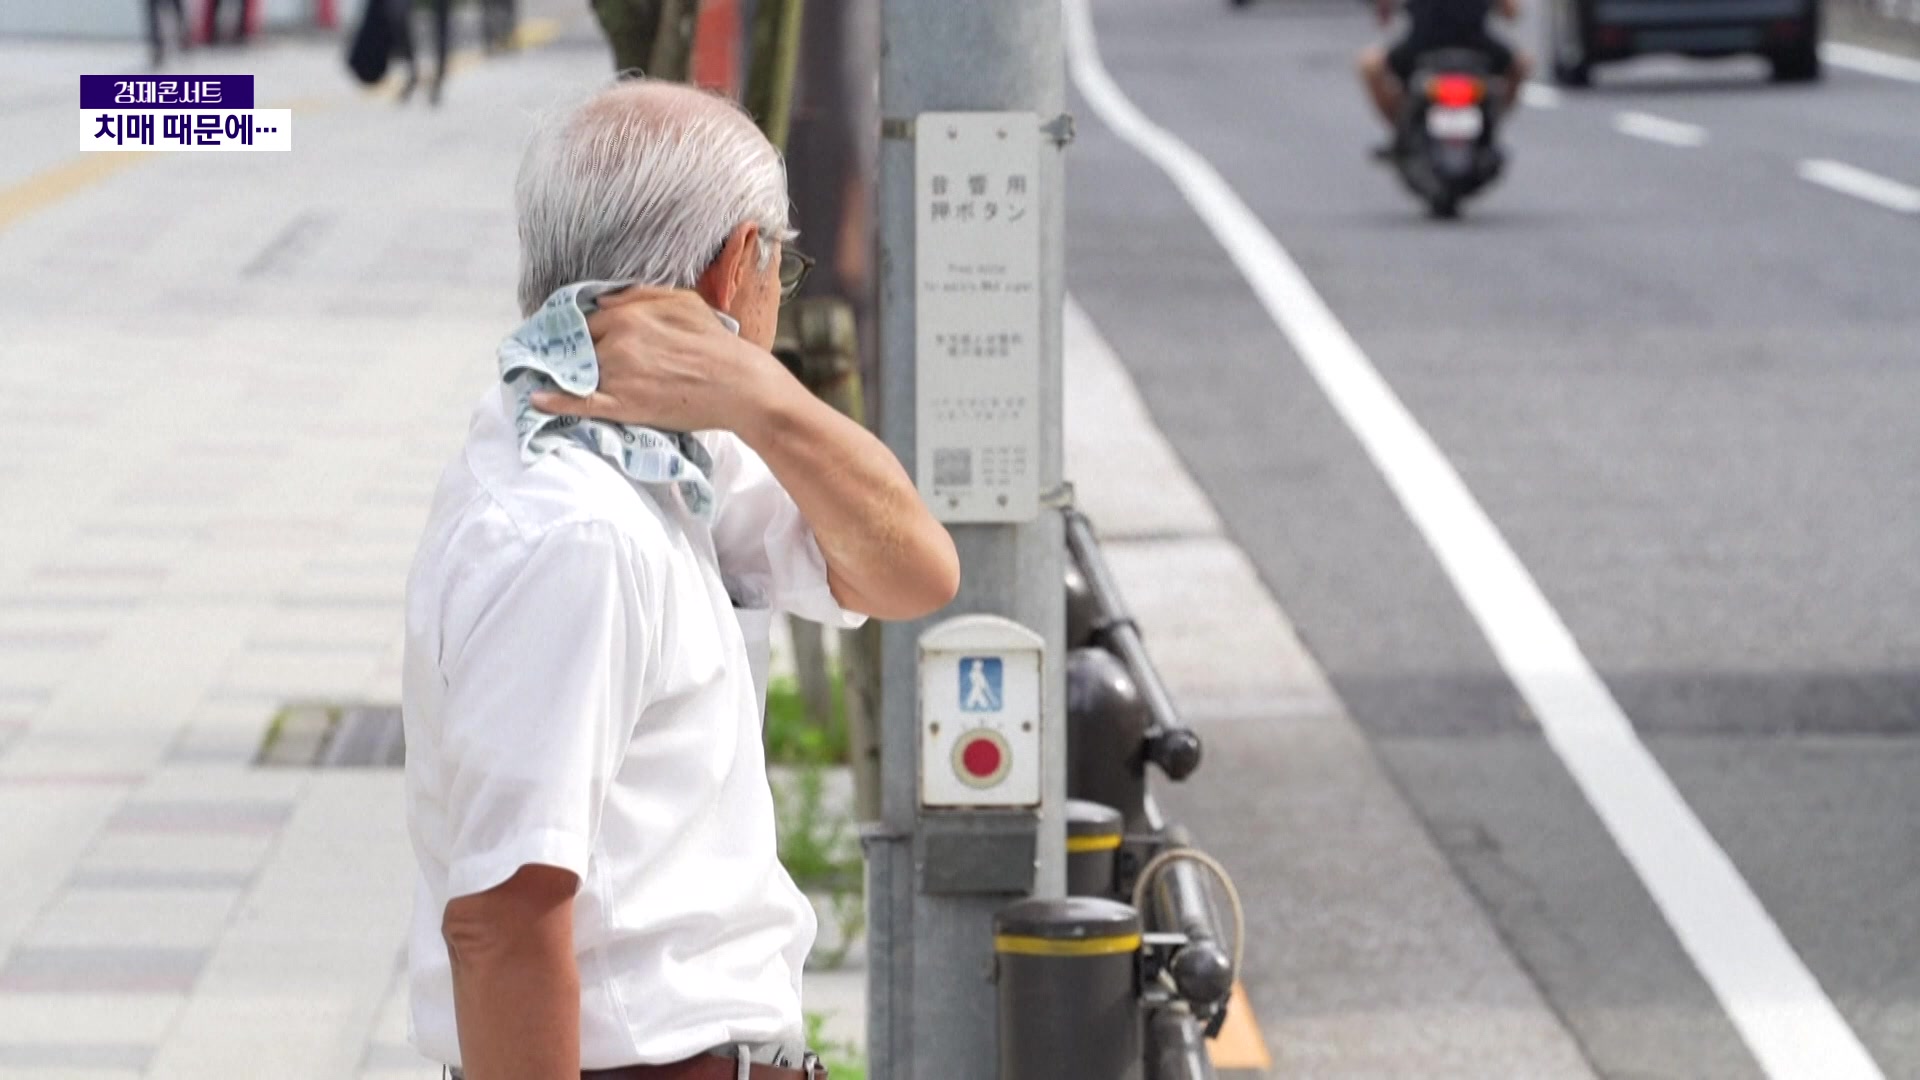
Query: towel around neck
point(553, 350)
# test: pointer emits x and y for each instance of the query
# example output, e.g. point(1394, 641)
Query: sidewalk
point(231, 383)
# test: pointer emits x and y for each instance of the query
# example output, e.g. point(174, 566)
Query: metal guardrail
point(1129, 720)
point(1170, 744)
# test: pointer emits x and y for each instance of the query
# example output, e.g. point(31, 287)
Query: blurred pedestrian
point(649, 36)
point(214, 7)
point(403, 45)
point(498, 21)
point(156, 37)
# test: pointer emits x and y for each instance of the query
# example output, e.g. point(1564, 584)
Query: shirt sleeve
point(766, 549)
point(542, 698)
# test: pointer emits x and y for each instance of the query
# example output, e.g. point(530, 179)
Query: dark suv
point(1589, 32)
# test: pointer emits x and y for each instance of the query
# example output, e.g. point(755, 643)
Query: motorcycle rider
point(1434, 25)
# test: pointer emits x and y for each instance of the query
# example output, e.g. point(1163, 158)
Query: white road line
point(1777, 1005)
point(1870, 61)
point(1659, 129)
point(1539, 96)
point(1861, 184)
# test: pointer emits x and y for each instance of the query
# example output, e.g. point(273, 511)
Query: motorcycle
point(1444, 146)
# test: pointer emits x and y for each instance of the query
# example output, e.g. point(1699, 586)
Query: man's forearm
point(886, 555)
point(516, 987)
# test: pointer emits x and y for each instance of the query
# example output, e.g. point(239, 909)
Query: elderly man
point(599, 892)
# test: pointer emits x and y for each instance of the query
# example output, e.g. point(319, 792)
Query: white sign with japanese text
point(977, 314)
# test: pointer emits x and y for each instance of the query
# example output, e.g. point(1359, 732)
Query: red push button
point(981, 758)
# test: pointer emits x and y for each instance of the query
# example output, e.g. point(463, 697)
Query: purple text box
point(166, 91)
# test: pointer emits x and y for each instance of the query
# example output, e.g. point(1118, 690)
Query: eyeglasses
point(795, 265)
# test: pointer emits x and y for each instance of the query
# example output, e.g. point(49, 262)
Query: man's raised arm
point(665, 361)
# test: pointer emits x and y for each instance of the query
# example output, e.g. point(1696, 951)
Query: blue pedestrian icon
point(980, 684)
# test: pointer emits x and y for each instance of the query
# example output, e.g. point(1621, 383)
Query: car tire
point(1801, 65)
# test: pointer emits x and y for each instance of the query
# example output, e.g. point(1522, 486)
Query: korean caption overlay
point(178, 112)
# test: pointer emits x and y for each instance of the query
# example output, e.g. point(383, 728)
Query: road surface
point(1671, 358)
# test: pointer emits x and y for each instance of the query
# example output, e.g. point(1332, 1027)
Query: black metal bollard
point(1106, 735)
point(1068, 974)
point(1093, 841)
point(1083, 610)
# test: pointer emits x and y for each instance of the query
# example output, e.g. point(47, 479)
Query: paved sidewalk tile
point(295, 987)
point(1126, 475)
point(225, 733)
point(134, 917)
point(50, 750)
point(201, 816)
point(263, 789)
point(390, 1023)
point(45, 827)
point(154, 878)
point(73, 1073)
point(111, 969)
point(387, 1061)
point(67, 1056)
point(302, 675)
point(131, 687)
point(199, 854)
point(100, 1019)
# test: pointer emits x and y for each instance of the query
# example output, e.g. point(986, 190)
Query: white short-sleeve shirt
point(583, 689)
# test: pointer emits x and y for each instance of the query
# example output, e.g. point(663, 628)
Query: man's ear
point(739, 258)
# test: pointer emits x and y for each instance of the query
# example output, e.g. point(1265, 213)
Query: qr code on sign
point(953, 468)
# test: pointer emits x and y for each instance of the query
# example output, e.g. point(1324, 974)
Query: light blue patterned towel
point(552, 350)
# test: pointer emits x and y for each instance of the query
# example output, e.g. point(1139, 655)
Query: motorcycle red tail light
point(1454, 91)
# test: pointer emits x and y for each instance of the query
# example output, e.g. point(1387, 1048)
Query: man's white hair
point(643, 182)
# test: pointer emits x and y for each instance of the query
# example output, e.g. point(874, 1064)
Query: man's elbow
point(534, 904)
point(943, 582)
point(938, 582)
point(923, 580)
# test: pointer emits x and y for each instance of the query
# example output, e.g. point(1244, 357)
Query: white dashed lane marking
point(1660, 129)
point(1870, 61)
point(1861, 184)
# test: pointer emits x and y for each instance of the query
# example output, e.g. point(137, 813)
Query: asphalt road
point(1681, 381)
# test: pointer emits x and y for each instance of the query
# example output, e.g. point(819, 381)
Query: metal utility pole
point(970, 399)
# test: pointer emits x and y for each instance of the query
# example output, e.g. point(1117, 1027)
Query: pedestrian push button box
point(979, 714)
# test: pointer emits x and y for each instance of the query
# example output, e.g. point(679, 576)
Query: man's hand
point(667, 362)
point(516, 988)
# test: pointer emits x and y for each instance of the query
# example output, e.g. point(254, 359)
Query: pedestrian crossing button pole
point(980, 759)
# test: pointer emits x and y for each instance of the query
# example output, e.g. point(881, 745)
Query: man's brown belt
point(705, 1067)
